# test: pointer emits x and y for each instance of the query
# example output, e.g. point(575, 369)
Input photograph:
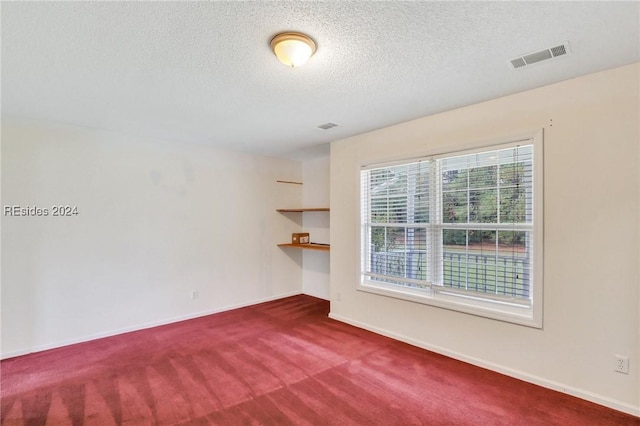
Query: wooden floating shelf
point(312, 246)
point(289, 181)
point(300, 210)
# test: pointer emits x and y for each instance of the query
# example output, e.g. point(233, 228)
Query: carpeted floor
point(277, 363)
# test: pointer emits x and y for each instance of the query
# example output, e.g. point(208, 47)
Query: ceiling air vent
point(541, 55)
point(327, 126)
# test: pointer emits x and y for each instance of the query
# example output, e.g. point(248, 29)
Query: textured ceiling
point(202, 72)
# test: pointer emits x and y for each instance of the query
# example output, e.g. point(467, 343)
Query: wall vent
point(539, 56)
point(327, 126)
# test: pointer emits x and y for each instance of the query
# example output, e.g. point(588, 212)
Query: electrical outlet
point(622, 364)
point(194, 294)
point(338, 296)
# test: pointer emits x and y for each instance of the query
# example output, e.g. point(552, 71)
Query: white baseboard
point(317, 296)
point(143, 326)
point(540, 381)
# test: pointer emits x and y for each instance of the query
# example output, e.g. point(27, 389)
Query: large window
point(460, 230)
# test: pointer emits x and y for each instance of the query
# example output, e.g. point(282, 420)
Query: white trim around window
point(461, 230)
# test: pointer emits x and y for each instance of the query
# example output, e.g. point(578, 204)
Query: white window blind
point(396, 200)
point(457, 226)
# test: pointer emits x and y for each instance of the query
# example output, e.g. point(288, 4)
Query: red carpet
point(276, 363)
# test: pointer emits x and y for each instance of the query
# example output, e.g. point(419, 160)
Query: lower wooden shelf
point(311, 246)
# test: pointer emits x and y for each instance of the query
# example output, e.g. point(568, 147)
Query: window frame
point(499, 308)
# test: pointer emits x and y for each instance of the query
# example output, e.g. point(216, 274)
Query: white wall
point(156, 221)
point(315, 193)
point(591, 247)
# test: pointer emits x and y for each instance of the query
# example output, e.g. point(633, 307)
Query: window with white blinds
point(457, 230)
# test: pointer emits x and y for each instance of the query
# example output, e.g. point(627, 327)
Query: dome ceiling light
point(293, 49)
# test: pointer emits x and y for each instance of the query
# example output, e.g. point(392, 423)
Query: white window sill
point(501, 311)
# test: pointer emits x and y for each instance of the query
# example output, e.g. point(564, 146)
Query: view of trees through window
point(478, 236)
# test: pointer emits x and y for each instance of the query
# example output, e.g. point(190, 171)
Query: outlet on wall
point(194, 294)
point(622, 364)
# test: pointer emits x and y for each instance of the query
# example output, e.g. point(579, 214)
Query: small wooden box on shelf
point(299, 244)
point(300, 238)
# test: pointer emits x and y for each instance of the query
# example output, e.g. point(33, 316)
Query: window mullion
point(409, 245)
point(435, 220)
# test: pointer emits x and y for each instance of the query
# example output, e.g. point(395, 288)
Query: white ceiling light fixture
point(293, 49)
